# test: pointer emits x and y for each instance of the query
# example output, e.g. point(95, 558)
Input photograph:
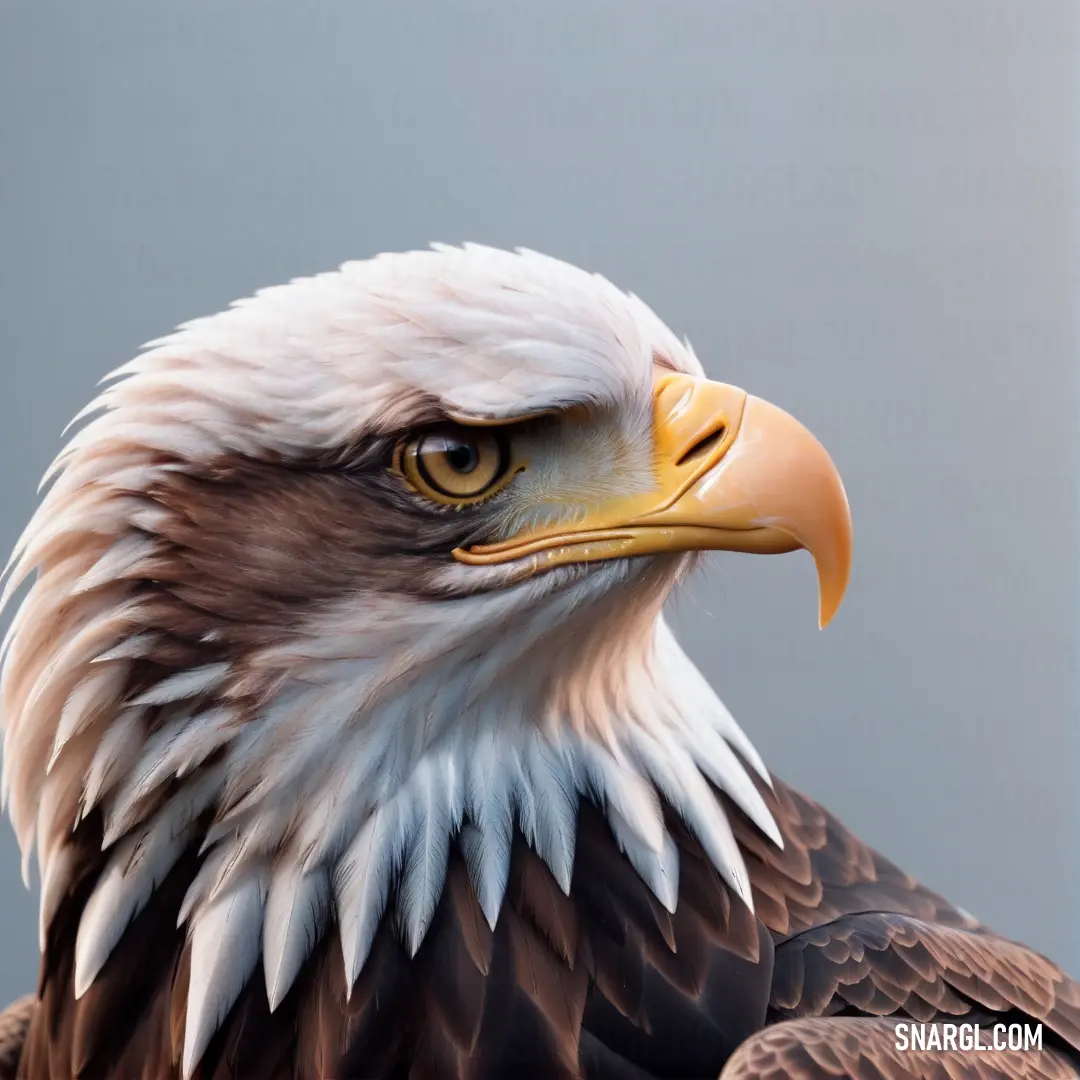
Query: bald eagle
point(344, 724)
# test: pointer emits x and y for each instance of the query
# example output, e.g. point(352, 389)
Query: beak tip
point(833, 577)
point(830, 597)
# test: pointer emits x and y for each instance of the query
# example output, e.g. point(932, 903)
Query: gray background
point(864, 211)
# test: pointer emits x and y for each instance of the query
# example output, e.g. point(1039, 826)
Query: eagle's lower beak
point(734, 473)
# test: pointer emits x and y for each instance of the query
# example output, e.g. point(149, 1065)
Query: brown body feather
point(603, 984)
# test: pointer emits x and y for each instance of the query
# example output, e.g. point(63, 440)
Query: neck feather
point(347, 858)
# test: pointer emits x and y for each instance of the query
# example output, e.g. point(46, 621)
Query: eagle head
point(370, 564)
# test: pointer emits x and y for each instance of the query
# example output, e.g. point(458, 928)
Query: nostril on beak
point(703, 446)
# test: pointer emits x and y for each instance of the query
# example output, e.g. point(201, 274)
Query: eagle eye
point(455, 465)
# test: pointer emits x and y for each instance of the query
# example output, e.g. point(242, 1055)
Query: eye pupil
point(462, 457)
point(455, 466)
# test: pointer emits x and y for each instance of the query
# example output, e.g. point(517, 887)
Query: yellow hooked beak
point(733, 473)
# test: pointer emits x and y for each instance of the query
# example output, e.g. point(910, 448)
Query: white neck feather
point(334, 813)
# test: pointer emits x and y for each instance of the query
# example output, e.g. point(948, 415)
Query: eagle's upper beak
point(733, 473)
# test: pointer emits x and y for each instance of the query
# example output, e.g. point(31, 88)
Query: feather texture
point(297, 910)
point(92, 698)
point(225, 943)
point(135, 868)
point(428, 849)
point(361, 886)
point(487, 840)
